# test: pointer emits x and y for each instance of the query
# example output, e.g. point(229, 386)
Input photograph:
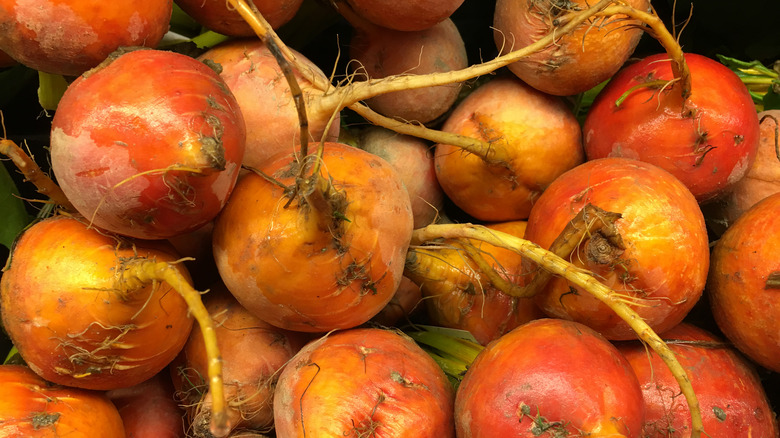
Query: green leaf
point(15, 216)
point(771, 100)
point(51, 87)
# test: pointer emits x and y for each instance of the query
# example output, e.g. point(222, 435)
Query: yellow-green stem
point(578, 277)
point(144, 271)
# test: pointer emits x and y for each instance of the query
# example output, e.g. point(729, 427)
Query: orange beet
point(303, 267)
point(534, 138)
point(458, 295)
point(34, 408)
point(72, 324)
point(576, 62)
point(69, 37)
point(661, 263)
point(744, 281)
point(363, 382)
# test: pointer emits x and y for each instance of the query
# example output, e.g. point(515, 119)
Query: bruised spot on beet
point(42, 420)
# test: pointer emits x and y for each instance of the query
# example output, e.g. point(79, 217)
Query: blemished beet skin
point(744, 282)
point(535, 135)
point(148, 145)
point(31, 407)
point(732, 401)
point(302, 268)
point(662, 265)
point(363, 382)
point(577, 61)
point(549, 376)
point(69, 37)
point(62, 309)
point(708, 143)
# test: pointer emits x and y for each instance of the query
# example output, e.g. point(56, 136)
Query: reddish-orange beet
point(148, 145)
point(708, 142)
point(221, 17)
point(744, 281)
point(660, 262)
point(69, 37)
point(31, 407)
point(363, 382)
point(549, 376)
point(732, 401)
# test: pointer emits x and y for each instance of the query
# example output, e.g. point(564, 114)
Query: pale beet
point(405, 302)
point(378, 52)
point(763, 177)
point(70, 37)
point(533, 137)
point(412, 157)
point(250, 378)
point(253, 75)
point(149, 409)
point(656, 259)
point(148, 145)
point(363, 382)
